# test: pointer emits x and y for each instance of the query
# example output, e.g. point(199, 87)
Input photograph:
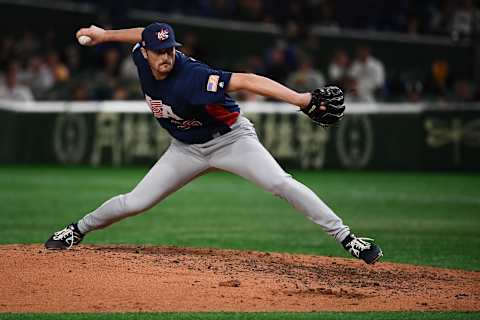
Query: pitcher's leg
point(172, 171)
point(248, 158)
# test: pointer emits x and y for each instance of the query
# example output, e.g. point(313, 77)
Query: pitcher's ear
point(144, 52)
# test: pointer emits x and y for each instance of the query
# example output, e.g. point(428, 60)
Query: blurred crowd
point(35, 70)
point(361, 74)
point(38, 66)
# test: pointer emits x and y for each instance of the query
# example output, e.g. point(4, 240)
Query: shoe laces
point(67, 235)
point(358, 245)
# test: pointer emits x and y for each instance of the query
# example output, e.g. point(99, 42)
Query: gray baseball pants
point(238, 151)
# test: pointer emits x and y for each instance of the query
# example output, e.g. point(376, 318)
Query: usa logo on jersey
point(161, 110)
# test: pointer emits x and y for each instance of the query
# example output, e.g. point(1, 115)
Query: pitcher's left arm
point(325, 106)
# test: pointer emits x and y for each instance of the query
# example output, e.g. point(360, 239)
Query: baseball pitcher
point(191, 101)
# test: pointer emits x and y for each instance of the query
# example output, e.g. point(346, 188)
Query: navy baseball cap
point(159, 36)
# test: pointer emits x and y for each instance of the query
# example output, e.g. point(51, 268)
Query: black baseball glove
point(331, 98)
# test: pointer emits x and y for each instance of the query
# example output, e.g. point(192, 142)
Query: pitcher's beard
point(164, 67)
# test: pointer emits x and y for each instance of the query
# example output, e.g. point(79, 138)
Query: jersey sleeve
point(207, 85)
point(137, 55)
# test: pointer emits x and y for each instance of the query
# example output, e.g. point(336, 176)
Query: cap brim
point(163, 46)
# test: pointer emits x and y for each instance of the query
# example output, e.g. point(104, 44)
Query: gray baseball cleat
point(362, 248)
point(65, 239)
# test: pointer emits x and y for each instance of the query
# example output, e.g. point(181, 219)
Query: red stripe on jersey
point(222, 114)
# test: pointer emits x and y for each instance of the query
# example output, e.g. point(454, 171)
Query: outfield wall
point(373, 136)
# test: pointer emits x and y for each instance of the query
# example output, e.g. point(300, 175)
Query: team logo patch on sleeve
point(212, 84)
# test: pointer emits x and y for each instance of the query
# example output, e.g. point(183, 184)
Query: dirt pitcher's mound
point(132, 278)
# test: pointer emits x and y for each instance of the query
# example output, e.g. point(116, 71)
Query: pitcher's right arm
point(99, 35)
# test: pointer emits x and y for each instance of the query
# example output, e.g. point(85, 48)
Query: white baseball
point(84, 40)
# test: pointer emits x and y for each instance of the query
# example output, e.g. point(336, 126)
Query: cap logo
point(162, 35)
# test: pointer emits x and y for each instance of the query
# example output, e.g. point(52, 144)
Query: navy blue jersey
point(191, 103)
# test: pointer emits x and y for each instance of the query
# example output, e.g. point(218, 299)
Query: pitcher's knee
point(132, 205)
point(279, 186)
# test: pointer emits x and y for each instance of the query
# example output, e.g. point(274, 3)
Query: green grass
point(418, 218)
point(256, 316)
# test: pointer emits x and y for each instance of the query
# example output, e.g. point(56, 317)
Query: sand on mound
point(145, 278)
